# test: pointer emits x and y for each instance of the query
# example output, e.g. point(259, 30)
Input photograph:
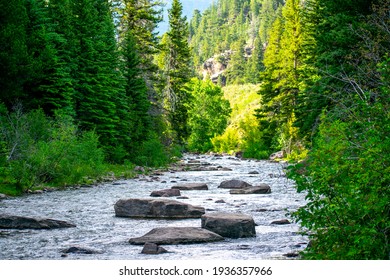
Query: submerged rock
point(80, 250)
point(155, 208)
point(231, 225)
point(19, 222)
point(177, 235)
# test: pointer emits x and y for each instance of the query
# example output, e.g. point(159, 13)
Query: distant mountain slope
point(239, 28)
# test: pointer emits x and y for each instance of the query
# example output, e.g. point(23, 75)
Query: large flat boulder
point(156, 209)
point(234, 184)
point(260, 189)
point(191, 186)
point(176, 235)
point(19, 222)
point(231, 225)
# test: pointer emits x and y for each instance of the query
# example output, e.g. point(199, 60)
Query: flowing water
point(92, 210)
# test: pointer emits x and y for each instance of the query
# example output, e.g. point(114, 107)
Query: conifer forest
point(90, 87)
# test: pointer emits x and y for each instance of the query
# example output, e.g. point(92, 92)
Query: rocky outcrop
point(19, 222)
point(191, 186)
point(234, 184)
point(215, 67)
point(166, 193)
point(153, 249)
point(231, 225)
point(177, 235)
point(157, 209)
point(260, 189)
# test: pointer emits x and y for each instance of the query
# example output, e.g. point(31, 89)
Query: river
point(92, 210)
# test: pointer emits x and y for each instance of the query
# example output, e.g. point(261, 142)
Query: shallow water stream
point(92, 210)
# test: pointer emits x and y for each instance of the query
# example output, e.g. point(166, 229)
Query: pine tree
point(136, 99)
point(50, 86)
point(177, 71)
point(97, 73)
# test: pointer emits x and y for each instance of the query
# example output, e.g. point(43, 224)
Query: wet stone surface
point(92, 211)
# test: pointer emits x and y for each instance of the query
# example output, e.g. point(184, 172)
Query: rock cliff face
point(215, 67)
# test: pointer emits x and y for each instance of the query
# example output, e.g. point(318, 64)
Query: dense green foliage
point(324, 98)
point(73, 59)
point(37, 150)
point(243, 133)
point(207, 116)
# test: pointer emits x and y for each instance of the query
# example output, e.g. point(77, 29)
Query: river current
point(92, 210)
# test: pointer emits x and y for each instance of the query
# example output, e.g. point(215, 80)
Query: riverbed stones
point(157, 209)
point(191, 186)
point(19, 222)
point(2, 196)
point(231, 225)
point(166, 193)
point(234, 184)
point(259, 189)
point(176, 235)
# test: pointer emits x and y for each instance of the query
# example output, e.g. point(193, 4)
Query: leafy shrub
point(347, 181)
point(42, 150)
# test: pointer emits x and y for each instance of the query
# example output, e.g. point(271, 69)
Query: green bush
point(346, 178)
point(40, 150)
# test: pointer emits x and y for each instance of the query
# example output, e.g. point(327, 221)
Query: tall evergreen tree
point(177, 70)
point(50, 86)
point(97, 73)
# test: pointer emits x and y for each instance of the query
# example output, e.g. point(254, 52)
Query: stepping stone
point(261, 189)
point(156, 208)
point(176, 235)
point(231, 225)
point(234, 184)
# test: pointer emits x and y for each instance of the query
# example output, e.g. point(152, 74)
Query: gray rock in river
point(231, 225)
point(176, 235)
point(234, 184)
point(191, 186)
point(80, 250)
point(281, 222)
point(166, 193)
point(156, 208)
point(153, 249)
point(19, 222)
point(260, 189)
